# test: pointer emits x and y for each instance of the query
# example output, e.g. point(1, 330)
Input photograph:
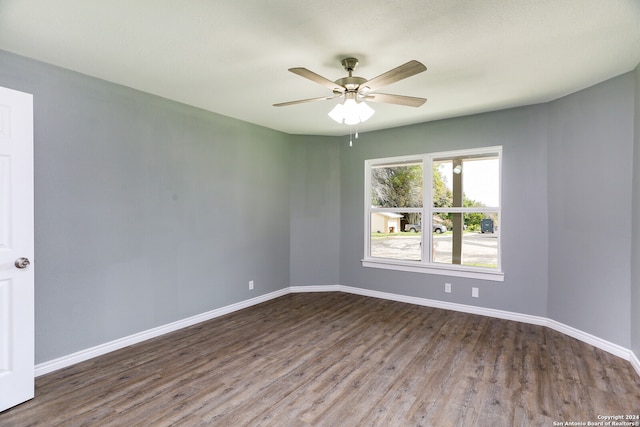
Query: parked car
point(412, 227)
point(437, 228)
point(486, 225)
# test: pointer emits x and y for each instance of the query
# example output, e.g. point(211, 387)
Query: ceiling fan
point(357, 89)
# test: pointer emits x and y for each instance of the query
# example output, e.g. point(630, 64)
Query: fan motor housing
point(351, 82)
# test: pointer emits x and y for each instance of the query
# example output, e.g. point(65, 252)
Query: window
point(445, 221)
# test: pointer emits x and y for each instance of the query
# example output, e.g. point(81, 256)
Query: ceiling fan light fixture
point(351, 112)
point(337, 113)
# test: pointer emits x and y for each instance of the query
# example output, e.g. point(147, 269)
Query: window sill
point(482, 274)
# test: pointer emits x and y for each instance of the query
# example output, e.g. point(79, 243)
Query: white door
point(16, 248)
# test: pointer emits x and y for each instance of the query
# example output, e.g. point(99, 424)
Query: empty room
point(292, 213)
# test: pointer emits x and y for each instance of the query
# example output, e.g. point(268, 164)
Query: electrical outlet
point(447, 287)
point(474, 293)
point(250, 285)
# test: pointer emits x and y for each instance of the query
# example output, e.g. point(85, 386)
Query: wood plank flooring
point(336, 359)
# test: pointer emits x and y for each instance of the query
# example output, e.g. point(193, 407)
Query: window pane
point(397, 185)
point(476, 245)
point(466, 182)
point(389, 238)
point(481, 182)
point(442, 184)
point(441, 244)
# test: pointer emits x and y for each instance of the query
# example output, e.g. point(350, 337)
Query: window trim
point(427, 210)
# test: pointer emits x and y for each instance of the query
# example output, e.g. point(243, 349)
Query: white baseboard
point(315, 288)
point(62, 362)
point(81, 356)
point(591, 339)
point(635, 362)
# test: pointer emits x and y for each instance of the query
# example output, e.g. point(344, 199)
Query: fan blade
point(302, 101)
point(409, 69)
point(303, 72)
point(408, 101)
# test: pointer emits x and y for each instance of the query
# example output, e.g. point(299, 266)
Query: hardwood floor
point(336, 359)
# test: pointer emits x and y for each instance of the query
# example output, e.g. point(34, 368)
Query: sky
point(481, 180)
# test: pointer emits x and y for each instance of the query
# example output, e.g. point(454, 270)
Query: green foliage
point(442, 196)
point(397, 186)
point(472, 221)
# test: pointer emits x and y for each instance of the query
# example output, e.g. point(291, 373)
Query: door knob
point(22, 262)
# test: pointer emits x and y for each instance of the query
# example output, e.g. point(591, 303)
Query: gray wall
point(590, 172)
point(635, 226)
point(522, 132)
point(315, 211)
point(147, 211)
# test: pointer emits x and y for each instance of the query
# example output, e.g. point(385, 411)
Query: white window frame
point(426, 265)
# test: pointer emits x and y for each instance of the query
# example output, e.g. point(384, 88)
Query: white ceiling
point(231, 56)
